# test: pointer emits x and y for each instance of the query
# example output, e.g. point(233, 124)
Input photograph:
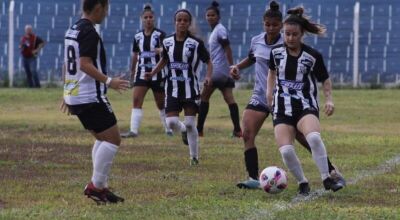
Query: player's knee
point(172, 122)
point(247, 135)
point(190, 122)
point(314, 139)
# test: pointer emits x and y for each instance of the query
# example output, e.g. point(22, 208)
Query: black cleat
point(337, 176)
point(304, 189)
point(111, 197)
point(184, 137)
point(331, 184)
point(129, 134)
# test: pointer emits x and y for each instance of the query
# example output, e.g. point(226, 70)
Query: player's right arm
point(243, 64)
point(86, 65)
point(135, 58)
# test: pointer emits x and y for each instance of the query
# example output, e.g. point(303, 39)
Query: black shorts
point(295, 118)
point(223, 83)
point(156, 85)
point(176, 105)
point(95, 117)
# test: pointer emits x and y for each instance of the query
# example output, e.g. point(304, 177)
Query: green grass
point(45, 161)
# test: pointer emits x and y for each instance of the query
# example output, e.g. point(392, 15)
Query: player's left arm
point(329, 107)
point(228, 53)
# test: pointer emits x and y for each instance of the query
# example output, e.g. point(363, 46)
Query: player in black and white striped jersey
point(182, 53)
point(294, 71)
point(146, 53)
point(85, 88)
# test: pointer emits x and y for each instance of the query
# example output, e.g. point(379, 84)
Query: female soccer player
point(294, 70)
point(147, 52)
point(182, 53)
point(85, 88)
point(221, 57)
point(257, 109)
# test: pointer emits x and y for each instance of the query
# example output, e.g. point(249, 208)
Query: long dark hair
point(273, 11)
point(88, 5)
point(296, 16)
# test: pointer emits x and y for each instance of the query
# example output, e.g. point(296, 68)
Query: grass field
point(45, 161)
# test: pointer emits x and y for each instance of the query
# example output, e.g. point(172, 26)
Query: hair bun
point(215, 4)
point(147, 7)
point(274, 6)
point(296, 11)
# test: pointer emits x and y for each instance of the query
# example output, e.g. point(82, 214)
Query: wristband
point(108, 82)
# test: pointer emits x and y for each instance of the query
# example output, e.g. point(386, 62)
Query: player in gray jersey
point(221, 57)
point(257, 109)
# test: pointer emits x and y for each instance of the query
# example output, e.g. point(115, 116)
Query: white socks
point(136, 119)
point(192, 135)
point(318, 153)
point(94, 150)
point(174, 124)
point(102, 163)
point(163, 121)
point(292, 163)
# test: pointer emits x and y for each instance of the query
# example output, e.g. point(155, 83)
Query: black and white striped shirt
point(82, 40)
point(145, 47)
point(296, 86)
point(183, 64)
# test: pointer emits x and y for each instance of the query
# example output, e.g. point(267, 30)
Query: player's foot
point(331, 184)
point(249, 184)
point(304, 189)
point(237, 134)
point(111, 197)
point(337, 176)
point(95, 194)
point(129, 134)
point(169, 133)
point(194, 161)
point(184, 137)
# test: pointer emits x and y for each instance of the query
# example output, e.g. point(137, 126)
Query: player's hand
point(207, 82)
point(148, 76)
point(64, 108)
point(119, 84)
point(329, 108)
point(158, 50)
point(234, 72)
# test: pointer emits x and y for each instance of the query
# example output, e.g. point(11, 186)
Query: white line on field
point(385, 167)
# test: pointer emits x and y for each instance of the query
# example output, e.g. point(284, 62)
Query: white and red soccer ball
point(273, 180)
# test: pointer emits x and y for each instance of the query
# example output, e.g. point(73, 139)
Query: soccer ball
point(273, 180)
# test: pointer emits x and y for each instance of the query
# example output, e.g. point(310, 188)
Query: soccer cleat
point(337, 176)
point(169, 133)
point(331, 184)
point(129, 134)
point(95, 194)
point(184, 137)
point(237, 134)
point(249, 184)
point(111, 197)
point(304, 189)
point(194, 161)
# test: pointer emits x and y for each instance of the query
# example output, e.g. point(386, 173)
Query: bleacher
point(379, 50)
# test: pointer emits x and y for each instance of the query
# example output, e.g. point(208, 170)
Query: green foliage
point(45, 161)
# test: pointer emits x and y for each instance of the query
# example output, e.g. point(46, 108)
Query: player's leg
point(204, 107)
point(310, 127)
point(159, 97)
point(139, 92)
point(172, 109)
point(233, 109)
point(191, 110)
point(284, 136)
point(333, 170)
point(252, 121)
